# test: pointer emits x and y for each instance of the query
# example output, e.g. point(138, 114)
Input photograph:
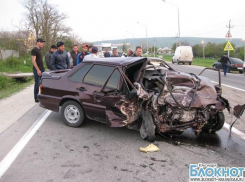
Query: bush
point(4, 81)
point(12, 62)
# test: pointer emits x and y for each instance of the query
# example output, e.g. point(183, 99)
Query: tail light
point(233, 65)
point(40, 88)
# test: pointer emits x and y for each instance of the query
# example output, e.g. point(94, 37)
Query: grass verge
point(9, 86)
point(196, 61)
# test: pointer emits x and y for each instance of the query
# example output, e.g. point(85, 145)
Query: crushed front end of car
point(163, 100)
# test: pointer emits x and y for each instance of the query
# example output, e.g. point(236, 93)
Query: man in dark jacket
point(130, 52)
point(138, 52)
point(224, 60)
point(48, 55)
point(114, 53)
point(74, 52)
point(107, 54)
point(59, 59)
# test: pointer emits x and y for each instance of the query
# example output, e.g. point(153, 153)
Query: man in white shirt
point(93, 53)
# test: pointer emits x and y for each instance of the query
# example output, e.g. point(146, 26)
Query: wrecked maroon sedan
point(144, 94)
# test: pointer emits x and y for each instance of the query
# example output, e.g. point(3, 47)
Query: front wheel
point(72, 114)
point(148, 128)
point(215, 124)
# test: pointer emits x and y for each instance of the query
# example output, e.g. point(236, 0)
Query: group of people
point(57, 58)
point(130, 53)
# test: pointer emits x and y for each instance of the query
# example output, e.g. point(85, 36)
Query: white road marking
point(230, 86)
point(235, 131)
point(11, 156)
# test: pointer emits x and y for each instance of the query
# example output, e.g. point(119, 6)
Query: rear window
point(80, 73)
point(98, 75)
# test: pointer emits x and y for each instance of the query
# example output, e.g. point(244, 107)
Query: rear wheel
point(241, 72)
point(228, 70)
point(215, 124)
point(72, 114)
point(189, 63)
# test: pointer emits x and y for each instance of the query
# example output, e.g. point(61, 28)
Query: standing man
point(59, 59)
point(224, 60)
point(114, 53)
point(84, 53)
point(130, 52)
point(48, 55)
point(138, 52)
point(38, 68)
point(74, 52)
point(107, 54)
point(90, 49)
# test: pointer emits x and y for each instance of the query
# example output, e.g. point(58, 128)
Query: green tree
point(46, 21)
point(197, 50)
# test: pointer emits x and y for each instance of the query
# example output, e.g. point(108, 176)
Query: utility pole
point(229, 26)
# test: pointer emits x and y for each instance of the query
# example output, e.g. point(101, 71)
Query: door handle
point(82, 89)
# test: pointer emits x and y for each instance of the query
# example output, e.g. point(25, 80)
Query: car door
point(90, 94)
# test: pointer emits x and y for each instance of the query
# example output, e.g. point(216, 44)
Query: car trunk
point(57, 74)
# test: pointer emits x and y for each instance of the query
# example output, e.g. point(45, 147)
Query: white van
point(183, 54)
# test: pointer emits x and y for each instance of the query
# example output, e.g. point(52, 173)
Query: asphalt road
point(96, 152)
point(232, 79)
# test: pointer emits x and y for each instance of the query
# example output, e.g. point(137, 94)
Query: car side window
point(80, 73)
point(113, 81)
point(98, 75)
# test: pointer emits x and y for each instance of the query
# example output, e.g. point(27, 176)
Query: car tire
point(241, 72)
point(72, 114)
point(177, 61)
point(148, 128)
point(172, 61)
point(189, 63)
point(215, 124)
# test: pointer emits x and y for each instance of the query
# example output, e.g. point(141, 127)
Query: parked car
point(144, 94)
point(236, 65)
point(183, 54)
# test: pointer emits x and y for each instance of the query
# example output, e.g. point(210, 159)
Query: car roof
point(236, 60)
point(119, 61)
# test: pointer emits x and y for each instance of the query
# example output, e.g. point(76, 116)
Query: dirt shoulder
point(13, 107)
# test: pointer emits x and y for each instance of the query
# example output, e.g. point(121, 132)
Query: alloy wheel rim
point(72, 114)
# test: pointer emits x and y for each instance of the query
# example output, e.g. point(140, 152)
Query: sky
point(98, 20)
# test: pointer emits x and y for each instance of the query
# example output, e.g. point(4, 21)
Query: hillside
point(169, 41)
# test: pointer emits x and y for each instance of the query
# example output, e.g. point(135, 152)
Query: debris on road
point(149, 148)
